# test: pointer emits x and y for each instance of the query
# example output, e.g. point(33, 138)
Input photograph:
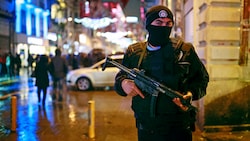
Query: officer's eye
point(158, 22)
point(169, 23)
point(162, 22)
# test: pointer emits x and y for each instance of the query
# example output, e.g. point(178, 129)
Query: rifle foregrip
point(143, 87)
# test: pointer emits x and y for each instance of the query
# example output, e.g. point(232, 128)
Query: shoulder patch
point(175, 42)
point(137, 47)
point(186, 47)
point(179, 44)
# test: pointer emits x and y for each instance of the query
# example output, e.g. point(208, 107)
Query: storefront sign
point(35, 41)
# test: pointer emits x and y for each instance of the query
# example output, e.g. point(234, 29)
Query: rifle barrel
point(118, 65)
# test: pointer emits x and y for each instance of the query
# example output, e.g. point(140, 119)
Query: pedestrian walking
point(18, 64)
point(58, 70)
point(10, 64)
point(30, 61)
point(4, 68)
point(1, 64)
point(74, 64)
point(173, 63)
point(42, 78)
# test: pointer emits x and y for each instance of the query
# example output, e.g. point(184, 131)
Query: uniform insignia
point(180, 55)
point(163, 14)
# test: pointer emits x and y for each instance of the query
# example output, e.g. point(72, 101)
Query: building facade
point(7, 23)
point(31, 28)
point(215, 27)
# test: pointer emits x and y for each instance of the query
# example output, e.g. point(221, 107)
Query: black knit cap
point(158, 11)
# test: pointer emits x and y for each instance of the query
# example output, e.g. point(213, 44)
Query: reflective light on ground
point(72, 114)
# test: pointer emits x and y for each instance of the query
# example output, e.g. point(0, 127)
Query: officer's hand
point(130, 88)
point(188, 96)
point(177, 101)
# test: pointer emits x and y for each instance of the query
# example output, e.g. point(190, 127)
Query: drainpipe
point(245, 26)
point(244, 43)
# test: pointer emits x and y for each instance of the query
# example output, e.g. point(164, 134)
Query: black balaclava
point(158, 35)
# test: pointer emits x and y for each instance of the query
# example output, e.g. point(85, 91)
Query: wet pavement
point(69, 120)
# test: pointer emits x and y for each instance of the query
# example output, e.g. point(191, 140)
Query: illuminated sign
point(95, 23)
point(131, 19)
point(35, 41)
point(52, 36)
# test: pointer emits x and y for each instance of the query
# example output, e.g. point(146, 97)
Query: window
point(33, 25)
point(23, 22)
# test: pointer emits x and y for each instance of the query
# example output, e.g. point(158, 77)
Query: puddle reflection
point(35, 120)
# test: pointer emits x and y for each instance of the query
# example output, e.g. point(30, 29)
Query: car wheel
point(83, 84)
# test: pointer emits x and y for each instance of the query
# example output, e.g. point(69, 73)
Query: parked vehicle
point(92, 77)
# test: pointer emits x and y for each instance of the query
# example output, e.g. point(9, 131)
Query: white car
point(92, 77)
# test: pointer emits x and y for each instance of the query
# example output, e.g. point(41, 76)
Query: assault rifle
point(149, 85)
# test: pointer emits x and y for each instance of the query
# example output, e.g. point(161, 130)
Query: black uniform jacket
point(175, 65)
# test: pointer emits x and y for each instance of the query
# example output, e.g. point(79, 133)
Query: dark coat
point(41, 73)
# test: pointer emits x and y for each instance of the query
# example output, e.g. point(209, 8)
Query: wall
point(217, 40)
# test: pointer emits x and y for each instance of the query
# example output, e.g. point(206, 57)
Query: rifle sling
point(154, 96)
point(143, 46)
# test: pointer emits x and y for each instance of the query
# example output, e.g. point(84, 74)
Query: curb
point(226, 128)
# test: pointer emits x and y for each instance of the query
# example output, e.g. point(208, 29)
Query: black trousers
point(171, 134)
point(44, 90)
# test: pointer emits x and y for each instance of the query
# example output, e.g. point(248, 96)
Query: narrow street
point(69, 120)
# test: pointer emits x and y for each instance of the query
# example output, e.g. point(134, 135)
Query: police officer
point(171, 62)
